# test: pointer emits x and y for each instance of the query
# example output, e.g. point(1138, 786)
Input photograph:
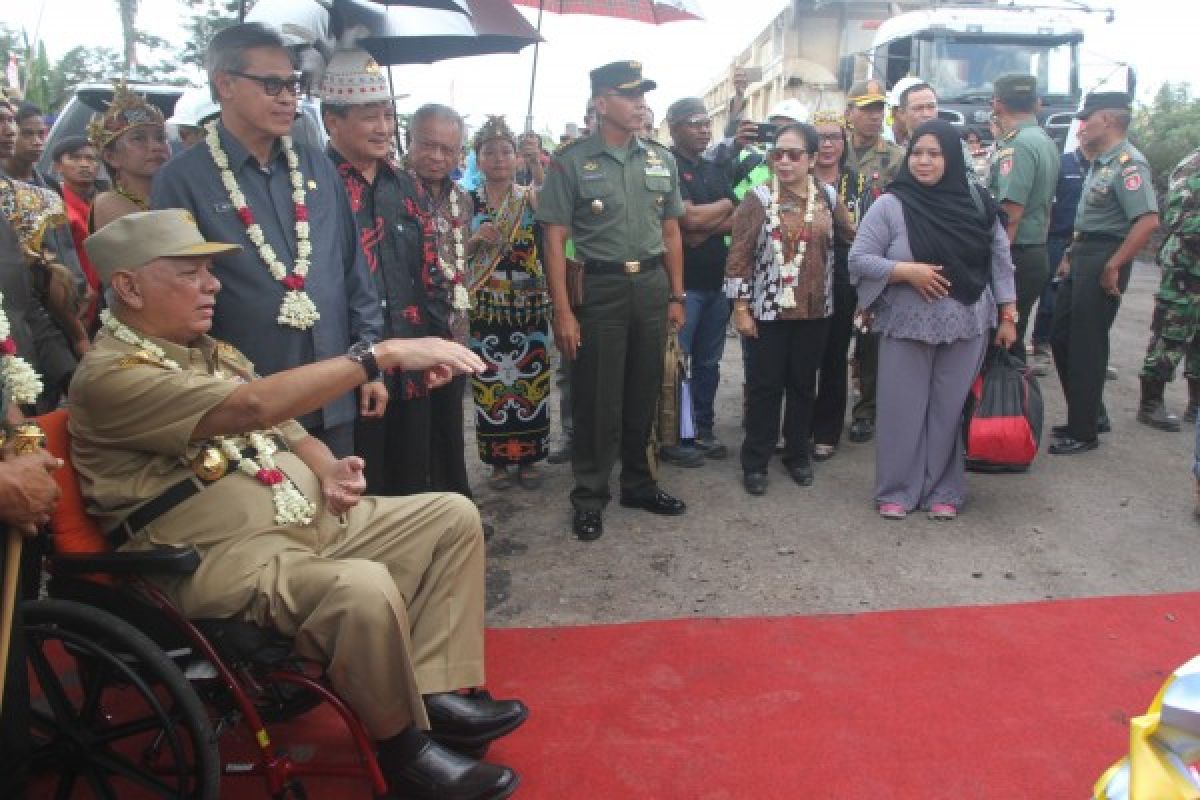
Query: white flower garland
point(297, 309)
point(789, 271)
point(291, 506)
point(21, 381)
point(456, 273)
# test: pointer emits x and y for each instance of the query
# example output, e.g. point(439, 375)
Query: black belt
point(1084, 236)
point(186, 489)
point(597, 267)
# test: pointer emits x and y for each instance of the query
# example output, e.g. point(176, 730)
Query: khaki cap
point(865, 93)
point(134, 240)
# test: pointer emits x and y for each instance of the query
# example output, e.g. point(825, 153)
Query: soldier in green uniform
point(1176, 324)
point(617, 196)
point(1023, 176)
point(1117, 214)
point(876, 161)
point(179, 444)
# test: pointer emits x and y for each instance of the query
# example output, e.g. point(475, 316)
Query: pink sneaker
point(892, 511)
point(943, 512)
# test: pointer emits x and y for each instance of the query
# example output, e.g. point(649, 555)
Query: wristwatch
point(363, 354)
point(676, 298)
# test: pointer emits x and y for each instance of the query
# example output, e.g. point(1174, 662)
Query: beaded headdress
point(494, 128)
point(126, 111)
point(829, 117)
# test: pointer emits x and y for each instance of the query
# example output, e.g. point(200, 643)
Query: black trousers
point(829, 410)
point(1083, 315)
point(417, 446)
point(1032, 275)
point(784, 357)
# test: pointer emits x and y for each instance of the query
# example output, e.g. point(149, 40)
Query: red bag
point(1003, 415)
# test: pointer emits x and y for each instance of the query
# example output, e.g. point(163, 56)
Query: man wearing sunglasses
point(284, 216)
point(617, 196)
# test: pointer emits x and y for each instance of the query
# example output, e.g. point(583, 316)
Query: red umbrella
point(655, 12)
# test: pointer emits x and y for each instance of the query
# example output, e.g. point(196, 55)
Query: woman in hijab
point(932, 265)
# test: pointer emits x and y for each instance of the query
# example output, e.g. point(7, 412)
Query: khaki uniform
point(1024, 170)
point(1117, 190)
point(388, 596)
point(876, 166)
point(614, 201)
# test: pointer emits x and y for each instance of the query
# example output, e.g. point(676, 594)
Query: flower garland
point(789, 271)
point(297, 310)
point(291, 506)
point(21, 381)
point(456, 273)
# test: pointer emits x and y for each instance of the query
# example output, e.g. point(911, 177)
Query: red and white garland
point(291, 506)
point(456, 273)
point(297, 310)
point(21, 382)
point(789, 271)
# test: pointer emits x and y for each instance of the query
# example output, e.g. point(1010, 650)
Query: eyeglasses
point(790, 153)
point(701, 123)
point(273, 85)
point(829, 138)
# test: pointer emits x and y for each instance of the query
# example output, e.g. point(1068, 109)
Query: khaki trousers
point(389, 597)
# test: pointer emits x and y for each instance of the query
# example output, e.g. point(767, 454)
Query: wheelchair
point(130, 699)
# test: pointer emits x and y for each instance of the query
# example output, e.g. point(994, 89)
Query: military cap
point(1099, 101)
point(865, 93)
point(625, 77)
point(685, 109)
point(134, 240)
point(1014, 88)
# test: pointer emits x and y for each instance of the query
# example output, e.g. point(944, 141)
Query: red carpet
point(1017, 702)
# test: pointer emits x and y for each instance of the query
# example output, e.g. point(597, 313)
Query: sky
point(685, 58)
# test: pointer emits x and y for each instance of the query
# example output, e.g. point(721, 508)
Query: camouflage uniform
point(1176, 324)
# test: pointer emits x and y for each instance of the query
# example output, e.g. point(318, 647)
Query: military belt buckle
point(633, 267)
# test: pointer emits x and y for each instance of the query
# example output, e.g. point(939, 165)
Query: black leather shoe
point(802, 474)
point(588, 525)
point(862, 430)
point(755, 483)
point(658, 503)
point(1066, 446)
point(1103, 425)
point(437, 773)
point(469, 722)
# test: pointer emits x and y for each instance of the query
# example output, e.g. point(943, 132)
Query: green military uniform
point(1116, 192)
point(1024, 171)
point(614, 202)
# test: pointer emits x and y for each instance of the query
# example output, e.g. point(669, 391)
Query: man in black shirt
point(708, 203)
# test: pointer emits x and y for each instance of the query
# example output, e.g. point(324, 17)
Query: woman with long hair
point(131, 138)
point(510, 316)
point(780, 274)
point(932, 265)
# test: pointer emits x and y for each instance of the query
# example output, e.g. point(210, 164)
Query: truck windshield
point(962, 68)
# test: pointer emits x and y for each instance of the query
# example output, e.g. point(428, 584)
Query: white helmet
point(791, 109)
point(194, 108)
point(902, 86)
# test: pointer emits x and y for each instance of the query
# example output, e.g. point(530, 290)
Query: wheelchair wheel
point(112, 716)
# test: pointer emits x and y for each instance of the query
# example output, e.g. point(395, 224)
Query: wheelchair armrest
point(163, 561)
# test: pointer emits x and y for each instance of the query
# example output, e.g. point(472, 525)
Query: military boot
point(1151, 410)
point(1193, 406)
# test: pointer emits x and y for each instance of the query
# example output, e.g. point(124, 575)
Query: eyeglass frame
point(296, 85)
point(787, 151)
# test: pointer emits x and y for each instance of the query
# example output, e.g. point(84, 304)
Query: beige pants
point(390, 598)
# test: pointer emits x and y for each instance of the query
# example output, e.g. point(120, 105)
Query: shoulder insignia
point(1124, 158)
point(139, 359)
point(591, 165)
point(228, 351)
point(562, 148)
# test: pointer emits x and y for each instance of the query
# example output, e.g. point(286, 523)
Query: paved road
point(1114, 521)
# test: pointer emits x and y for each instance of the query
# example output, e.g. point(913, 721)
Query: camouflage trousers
point(1175, 327)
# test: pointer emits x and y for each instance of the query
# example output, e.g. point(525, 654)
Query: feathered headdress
point(494, 128)
point(126, 111)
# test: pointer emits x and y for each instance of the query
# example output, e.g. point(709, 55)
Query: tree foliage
point(1168, 129)
point(205, 19)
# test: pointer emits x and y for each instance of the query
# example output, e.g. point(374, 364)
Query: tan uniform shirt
point(131, 425)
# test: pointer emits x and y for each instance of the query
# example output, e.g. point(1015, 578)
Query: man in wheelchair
point(178, 443)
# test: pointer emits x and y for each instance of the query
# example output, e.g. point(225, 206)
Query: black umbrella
point(424, 36)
